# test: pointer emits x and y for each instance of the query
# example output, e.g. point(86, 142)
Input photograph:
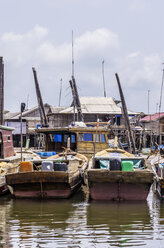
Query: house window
point(102, 137)
point(66, 137)
point(58, 137)
point(85, 137)
point(73, 138)
point(96, 137)
point(8, 138)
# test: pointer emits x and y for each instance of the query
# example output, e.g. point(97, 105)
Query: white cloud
point(133, 55)
point(90, 43)
point(35, 45)
point(18, 49)
point(138, 71)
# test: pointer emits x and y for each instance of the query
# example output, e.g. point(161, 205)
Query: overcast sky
point(127, 34)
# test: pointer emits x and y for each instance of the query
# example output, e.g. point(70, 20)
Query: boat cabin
point(6, 142)
point(84, 140)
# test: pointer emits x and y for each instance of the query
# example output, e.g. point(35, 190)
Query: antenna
point(72, 55)
point(161, 91)
point(157, 107)
point(103, 78)
point(60, 91)
point(148, 101)
point(27, 101)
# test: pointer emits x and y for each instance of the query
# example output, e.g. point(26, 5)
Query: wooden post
point(22, 109)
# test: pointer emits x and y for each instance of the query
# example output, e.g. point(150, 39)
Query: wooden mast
point(1, 90)
point(44, 122)
point(76, 99)
point(126, 117)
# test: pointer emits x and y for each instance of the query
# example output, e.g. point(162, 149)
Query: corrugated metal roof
point(97, 105)
point(10, 115)
point(153, 117)
point(55, 109)
point(97, 100)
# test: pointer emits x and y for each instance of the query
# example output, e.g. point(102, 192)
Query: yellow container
point(26, 166)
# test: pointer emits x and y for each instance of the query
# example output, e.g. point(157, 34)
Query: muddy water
point(78, 222)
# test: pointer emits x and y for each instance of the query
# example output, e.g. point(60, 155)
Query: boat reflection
point(29, 222)
point(123, 223)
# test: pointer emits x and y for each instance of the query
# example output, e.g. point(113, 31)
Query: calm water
point(78, 222)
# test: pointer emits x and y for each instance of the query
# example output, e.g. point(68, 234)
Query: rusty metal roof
point(153, 117)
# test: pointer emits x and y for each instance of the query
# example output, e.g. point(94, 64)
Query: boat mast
point(44, 122)
point(1, 90)
point(126, 117)
point(73, 93)
point(76, 99)
point(160, 102)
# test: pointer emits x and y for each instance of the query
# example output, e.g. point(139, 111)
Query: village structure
point(99, 110)
point(147, 130)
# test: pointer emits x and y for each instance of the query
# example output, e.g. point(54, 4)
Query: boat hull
point(41, 184)
point(4, 189)
point(119, 192)
point(3, 186)
point(119, 186)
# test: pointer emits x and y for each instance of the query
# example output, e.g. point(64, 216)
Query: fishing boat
point(58, 176)
point(84, 140)
point(114, 174)
point(157, 163)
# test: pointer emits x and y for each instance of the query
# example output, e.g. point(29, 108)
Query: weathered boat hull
point(119, 192)
point(4, 189)
point(119, 185)
point(43, 184)
point(159, 188)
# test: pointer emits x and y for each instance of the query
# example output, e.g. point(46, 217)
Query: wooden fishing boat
point(57, 177)
point(157, 163)
point(114, 174)
point(84, 140)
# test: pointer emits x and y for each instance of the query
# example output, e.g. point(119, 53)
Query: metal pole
point(103, 78)
point(23, 105)
point(60, 91)
point(72, 55)
point(21, 134)
point(148, 101)
point(160, 102)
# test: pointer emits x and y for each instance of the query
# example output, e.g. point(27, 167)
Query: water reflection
point(76, 222)
point(126, 224)
point(119, 221)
